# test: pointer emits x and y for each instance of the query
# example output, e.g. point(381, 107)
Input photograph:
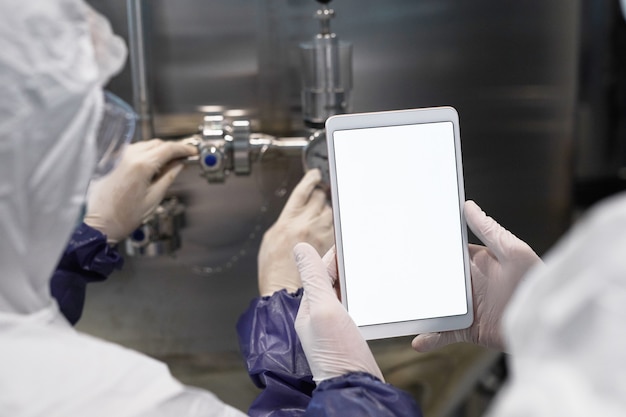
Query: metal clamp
point(241, 146)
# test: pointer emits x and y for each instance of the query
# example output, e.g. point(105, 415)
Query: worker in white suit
point(55, 137)
point(55, 58)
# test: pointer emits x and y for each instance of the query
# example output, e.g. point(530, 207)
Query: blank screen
point(398, 203)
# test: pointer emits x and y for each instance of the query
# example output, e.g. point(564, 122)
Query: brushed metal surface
point(508, 67)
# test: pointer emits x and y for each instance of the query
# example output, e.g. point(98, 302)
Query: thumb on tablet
point(331, 341)
point(313, 272)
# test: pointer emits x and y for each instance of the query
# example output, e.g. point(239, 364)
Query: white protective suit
point(55, 57)
point(566, 324)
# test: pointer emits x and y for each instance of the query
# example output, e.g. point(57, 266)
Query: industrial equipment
point(227, 144)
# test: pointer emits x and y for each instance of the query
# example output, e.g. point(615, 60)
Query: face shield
point(116, 130)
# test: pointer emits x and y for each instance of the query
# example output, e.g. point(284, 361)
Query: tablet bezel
point(389, 119)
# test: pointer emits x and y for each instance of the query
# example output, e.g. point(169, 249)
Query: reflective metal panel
point(508, 67)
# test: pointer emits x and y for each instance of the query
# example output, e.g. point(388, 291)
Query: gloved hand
point(306, 217)
point(331, 341)
point(496, 270)
point(118, 202)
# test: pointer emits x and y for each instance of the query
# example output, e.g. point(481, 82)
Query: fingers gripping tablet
point(397, 195)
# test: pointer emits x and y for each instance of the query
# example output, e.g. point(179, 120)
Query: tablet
point(397, 196)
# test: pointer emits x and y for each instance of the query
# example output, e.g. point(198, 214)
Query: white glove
point(306, 217)
point(496, 271)
point(331, 341)
point(118, 202)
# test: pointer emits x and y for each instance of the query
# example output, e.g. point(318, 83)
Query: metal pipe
point(137, 47)
point(289, 146)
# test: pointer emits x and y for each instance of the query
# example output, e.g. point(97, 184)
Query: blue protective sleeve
point(87, 258)
point(274, 355)
point(277, 364)
point(360, 394)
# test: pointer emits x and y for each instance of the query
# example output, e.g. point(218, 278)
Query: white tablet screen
point(400, 222)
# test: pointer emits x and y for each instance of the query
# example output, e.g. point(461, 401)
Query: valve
point(228, 145)
point(326, 65)
point(159, 234)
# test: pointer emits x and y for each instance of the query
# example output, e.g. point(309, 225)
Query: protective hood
point(55, 57)
point(565, 325)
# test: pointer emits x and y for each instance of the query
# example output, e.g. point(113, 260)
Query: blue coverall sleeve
point(360, 394)
point(277, 364)
point(274, 355)
point(87, 258)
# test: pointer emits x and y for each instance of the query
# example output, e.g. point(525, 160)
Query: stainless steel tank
point(509, 68)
